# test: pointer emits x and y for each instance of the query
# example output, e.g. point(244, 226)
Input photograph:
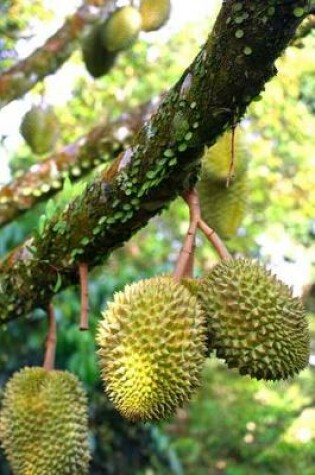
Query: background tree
point(278, 131)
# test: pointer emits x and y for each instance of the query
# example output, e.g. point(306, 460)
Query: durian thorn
point(84, 318)
point(215, 240)
point(49, 360)
point(231, 172)
point(185, 262)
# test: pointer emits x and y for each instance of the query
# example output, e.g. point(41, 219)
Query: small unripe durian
point(255, 323)
point(223, 208)
point(121, 29)
point(43, 423)
point(40, 129)
point(155, 13)
point(152, 348)
point(98, 61)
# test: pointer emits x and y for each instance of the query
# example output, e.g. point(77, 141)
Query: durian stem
point(212, 236)
point(232, 162)
point(84, 319)
point(185, 262)
point(49, 360)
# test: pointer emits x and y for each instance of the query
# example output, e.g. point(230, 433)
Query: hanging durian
point(121, 29)
point(98, 61)
point(40, 129)
point(152, 347)
point(254, 322)
point(43, 423)
point(223, 208)
point(155, 13)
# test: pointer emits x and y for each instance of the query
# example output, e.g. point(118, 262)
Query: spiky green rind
point(255, 323)
point(155, 13)
point(216, 161)
point(98, 61)
point(223, 208)
point(193, 285)
point(121, 29)
point(40, 129)
point(152, 348)
point(43, 423)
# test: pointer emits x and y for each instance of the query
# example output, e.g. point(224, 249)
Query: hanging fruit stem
point(84, 319)
point(217, 243)
point(232, 162)
point(50, 352)
point(185, 263)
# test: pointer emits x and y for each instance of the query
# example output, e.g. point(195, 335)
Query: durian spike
point(84, 319)
point(50, 352)
point(185, 262)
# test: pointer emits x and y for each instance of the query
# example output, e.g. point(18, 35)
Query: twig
point(84, 319)
point(49, 360)
point(232, 162)
point(212, 236)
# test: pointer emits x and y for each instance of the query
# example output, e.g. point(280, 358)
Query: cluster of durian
point(223, 207)
point(153, 335)
point(119, 31)
point(43, 423)
point(40, 129)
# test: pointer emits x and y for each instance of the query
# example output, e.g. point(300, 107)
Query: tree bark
point(212, 95)
point(45, 178)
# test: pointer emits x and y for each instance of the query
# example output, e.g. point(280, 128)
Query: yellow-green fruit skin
point(254, 322)
point(223, 208)
point(98, 61)
point(121, 29)
point(155, 13)
point(43, 423)
point(40, 129)
point(152, 348)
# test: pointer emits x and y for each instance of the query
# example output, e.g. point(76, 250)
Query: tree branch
point(45, 178)
point(212, 95)
point(47, 59)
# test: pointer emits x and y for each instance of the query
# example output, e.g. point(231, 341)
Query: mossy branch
point(212, 95)
point(77, 159)
point(47, 59)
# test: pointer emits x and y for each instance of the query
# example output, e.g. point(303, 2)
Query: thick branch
point(47, 59)
point(230, 70)
point(45, 178)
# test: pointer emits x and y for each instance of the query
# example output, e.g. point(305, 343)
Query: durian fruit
point(223, 208)
point(254, 322)
point(40, 129)
point(155, 13)
point(152, 348)
point(98, 61)
point(121, 29)
point(43, 423)
point(216, 160)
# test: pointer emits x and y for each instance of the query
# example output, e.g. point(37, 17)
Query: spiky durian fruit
point(155, 13)
point(255, 323)
point(152, 348)
point(223, 208)
point(98, 61)
point(43, 423)
point(40, 129)
point(216, 161)
point(121, 29)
